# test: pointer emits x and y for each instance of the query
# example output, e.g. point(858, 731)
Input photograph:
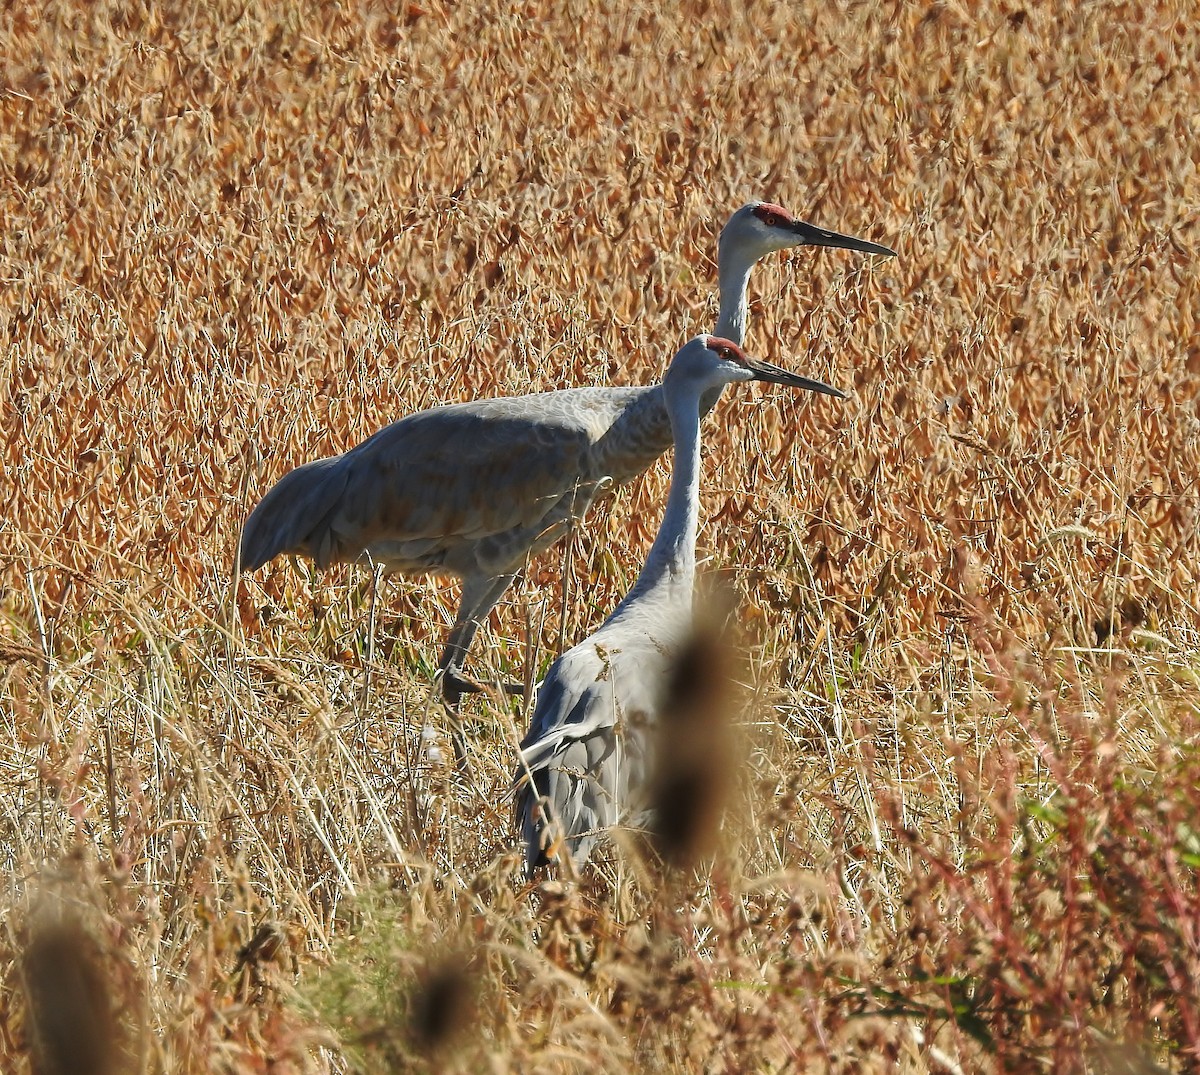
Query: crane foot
point(455, 684)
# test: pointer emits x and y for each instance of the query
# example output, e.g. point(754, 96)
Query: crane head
point(707, 362)
point(757, 228)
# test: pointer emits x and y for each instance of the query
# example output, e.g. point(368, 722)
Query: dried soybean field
point(238, 236)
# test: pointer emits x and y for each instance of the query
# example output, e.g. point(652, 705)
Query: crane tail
point(563, 810)
point(530, 807)
point(295, 515)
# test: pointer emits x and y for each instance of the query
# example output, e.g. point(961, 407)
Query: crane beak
point(811, 235)
point(769, 372)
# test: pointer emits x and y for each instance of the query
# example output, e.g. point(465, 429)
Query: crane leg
point(480, 596)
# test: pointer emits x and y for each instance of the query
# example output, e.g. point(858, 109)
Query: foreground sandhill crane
point(588, 746)
point(476, 489)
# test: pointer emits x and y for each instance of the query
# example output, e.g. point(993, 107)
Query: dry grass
point(237, 238)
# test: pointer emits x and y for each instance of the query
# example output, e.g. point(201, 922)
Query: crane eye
point(771, 220)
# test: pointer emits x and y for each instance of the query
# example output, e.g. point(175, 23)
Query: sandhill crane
point(589, 742)
point(475, 489)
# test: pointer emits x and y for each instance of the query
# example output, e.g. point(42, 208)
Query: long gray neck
point(733, 273)
point(670, 568)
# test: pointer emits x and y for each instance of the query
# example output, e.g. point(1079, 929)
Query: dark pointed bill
point(768, 371)
point(811, 235)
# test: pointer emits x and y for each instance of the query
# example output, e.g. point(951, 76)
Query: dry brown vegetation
point(238, 235)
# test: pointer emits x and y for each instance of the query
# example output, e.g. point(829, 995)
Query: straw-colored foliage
point(239, 235)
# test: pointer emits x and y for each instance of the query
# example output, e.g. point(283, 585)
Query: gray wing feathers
point(438, 479)
point(591, 737)
point(465, 472)
point(578, 784)
point(295, 515)
point(574, 753)
point(562, 710)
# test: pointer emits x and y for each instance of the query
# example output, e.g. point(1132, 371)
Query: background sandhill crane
point(588, 744)
point(475, 489)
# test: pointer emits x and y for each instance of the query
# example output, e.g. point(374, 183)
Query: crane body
point(588, 749)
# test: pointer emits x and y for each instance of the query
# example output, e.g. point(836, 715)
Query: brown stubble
point(241, 237)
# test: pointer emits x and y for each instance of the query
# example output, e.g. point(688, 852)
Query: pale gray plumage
point(476, 489)
point(587, 751)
